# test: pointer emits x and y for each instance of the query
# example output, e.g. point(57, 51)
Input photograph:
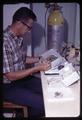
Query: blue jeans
point(28, 92)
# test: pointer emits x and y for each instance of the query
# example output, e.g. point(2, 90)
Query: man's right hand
point(46, 65)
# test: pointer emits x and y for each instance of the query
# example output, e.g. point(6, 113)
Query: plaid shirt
point(13, 55)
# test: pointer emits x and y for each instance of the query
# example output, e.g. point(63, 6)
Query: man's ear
point(19, 24)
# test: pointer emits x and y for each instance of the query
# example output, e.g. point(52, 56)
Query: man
point(20, 86)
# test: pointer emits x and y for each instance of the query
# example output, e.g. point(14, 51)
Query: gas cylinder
point(55, 29)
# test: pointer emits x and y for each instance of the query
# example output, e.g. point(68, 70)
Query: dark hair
point(23, 14)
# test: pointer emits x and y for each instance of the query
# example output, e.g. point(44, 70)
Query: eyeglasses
point(26, 25)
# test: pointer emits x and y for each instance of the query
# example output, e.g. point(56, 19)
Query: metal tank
point(55, 29)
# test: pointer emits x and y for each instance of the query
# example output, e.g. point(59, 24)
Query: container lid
point(56, 17)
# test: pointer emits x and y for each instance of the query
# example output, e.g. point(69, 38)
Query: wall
point(38, 38)
point(70, 12)
point(77, 30)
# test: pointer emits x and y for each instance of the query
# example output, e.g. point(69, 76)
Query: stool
point(13, 106)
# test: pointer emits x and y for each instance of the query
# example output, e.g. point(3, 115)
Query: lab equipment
point(55, 28)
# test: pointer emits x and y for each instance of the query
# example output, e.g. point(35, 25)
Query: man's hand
point(45, 65)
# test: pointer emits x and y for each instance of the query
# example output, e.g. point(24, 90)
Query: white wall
point(38, 39)
point(70, 12)
point(77, 30)
point(8, 11)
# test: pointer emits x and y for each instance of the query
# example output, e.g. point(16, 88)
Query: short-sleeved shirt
point(13, 54)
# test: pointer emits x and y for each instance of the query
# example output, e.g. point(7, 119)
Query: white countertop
point(69, 107)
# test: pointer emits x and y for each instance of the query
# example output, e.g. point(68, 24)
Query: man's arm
point(23, 73)
point(20, 74)
point(31, 60)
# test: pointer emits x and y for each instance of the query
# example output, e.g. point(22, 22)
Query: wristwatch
point(39, 57)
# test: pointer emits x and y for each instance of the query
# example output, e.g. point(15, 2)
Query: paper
point(71, 78)
point(67, 72)
point(52, 71)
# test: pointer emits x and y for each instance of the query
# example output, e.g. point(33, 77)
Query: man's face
point(25, 26)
